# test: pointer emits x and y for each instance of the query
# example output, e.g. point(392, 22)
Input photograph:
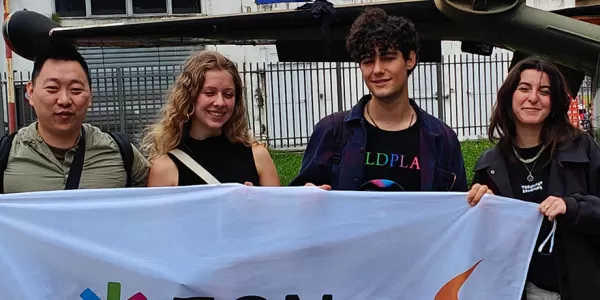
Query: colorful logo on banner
point(113, 292)
point(448, 292)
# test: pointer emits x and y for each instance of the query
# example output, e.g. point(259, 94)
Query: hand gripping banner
point(231, 241)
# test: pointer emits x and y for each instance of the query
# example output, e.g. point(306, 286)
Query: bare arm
point(267, 172)
point(163, 172)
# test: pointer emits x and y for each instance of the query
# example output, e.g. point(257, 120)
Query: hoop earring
point(190, 111)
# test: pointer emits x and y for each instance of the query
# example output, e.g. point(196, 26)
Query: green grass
point(288, 163)
point(471, 151)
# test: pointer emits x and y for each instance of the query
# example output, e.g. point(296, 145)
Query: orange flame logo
point(450, 290)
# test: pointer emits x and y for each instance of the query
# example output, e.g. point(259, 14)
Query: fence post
point(338, 74)
point(595, 96)
point(5, 129)
point(121, 99)
point(440, 87)
point(262, 109)
point(10, 86)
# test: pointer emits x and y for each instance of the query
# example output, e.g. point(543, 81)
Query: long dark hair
point(557, 129)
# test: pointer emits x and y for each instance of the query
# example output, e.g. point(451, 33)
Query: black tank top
point(228, 162)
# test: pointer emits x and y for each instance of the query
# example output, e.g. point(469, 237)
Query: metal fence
point(285, 100)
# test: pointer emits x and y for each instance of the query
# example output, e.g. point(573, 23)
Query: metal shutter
point(129, 84)
point(106, 57)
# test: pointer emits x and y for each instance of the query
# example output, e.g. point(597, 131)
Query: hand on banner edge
point(248, 183)
point(477, 192)
point(552, 207)
point(323, 187)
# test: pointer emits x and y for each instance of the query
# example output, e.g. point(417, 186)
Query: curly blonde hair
point(166, 133)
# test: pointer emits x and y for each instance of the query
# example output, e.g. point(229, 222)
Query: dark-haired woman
point(540, 157)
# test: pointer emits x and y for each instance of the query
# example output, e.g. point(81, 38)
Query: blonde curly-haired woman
point(202, 134)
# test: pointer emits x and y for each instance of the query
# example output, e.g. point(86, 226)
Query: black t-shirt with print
point(542, 270)
point(392, 157)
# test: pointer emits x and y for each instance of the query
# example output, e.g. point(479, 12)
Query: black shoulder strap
point(126, 149)
point(74, 172)
point(340, 133)
point(77, 165)
point(5, 145)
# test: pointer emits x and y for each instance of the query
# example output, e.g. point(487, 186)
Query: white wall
point(550, 4)
point(40, 6)
point(250, 53)
point(217, 7)
point(294, 107)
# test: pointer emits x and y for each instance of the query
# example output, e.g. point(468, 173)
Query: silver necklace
point(369, 114)
point(530, 177)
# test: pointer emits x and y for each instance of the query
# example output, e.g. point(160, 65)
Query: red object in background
point(574, 112)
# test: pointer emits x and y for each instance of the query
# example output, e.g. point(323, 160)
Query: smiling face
point(531, 101)
point(386, 74)
point(60, 95)
point(216, 102)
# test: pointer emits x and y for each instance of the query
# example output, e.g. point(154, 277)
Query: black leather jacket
point(574, 177)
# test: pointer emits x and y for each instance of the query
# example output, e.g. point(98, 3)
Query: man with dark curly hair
point(385, 142)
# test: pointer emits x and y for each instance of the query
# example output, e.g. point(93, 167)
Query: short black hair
point(59, 51)
point(374, 28)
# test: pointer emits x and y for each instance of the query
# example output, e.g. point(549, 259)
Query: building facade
point(284, 100)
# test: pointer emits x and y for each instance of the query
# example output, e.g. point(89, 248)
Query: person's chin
point(384, 96)
point(532, 121)
point(216, 126)
point(66, 128)
point(532, 117)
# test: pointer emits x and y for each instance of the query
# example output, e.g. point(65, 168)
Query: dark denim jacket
point(442, 165)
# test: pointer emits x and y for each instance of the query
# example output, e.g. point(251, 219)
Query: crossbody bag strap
point(77, 164)
point(194, 166)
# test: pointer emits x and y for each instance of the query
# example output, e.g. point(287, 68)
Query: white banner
point(230, 241)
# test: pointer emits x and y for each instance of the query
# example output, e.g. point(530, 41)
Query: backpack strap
point(5, 146)
point(340, 134)
point(194, 166)
point(126, 150)
point(76, 168)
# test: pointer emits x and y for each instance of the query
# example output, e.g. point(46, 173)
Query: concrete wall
point(586, 2)
point(218, 7)
point(41, 6)
point(550, 4)
point(468, 89)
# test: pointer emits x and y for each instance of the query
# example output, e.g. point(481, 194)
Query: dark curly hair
point(374, 28)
